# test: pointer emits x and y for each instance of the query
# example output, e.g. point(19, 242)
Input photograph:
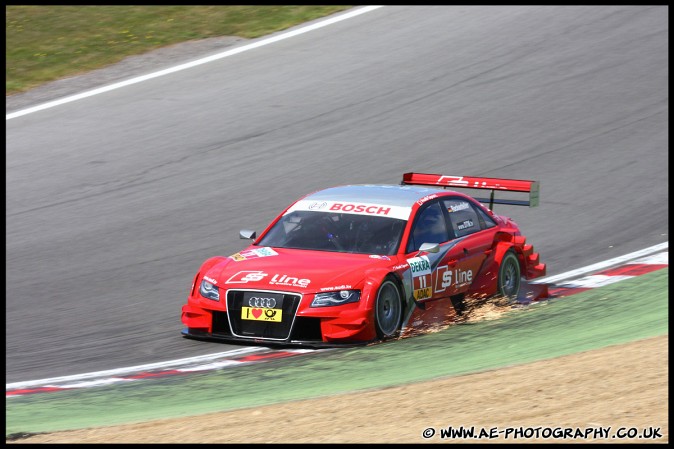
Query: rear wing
point(468, 182)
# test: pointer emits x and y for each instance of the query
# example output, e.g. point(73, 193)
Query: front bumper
point(304, 326)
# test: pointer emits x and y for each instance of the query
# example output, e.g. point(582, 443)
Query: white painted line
point(593, 281)
point(655, 259)
point(92, 383)
point(210, 366)
point(135, 369)
point(263, 42)
point(601, 265)
point(304, 351)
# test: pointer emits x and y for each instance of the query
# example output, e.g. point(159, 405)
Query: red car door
point(465, 242)
point(474, 237)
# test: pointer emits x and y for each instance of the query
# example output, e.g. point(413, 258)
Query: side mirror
point(429, 247)
point(247, 234)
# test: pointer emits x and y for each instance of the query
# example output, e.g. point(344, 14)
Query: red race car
point(362, 263)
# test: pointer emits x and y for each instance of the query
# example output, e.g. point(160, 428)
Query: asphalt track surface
point(113, 201)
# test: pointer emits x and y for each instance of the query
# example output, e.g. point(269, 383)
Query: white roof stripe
point(372, 209)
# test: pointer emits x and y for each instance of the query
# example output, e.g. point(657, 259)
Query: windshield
point(344, 233)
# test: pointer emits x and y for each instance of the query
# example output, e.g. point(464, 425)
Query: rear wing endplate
point(469, 182)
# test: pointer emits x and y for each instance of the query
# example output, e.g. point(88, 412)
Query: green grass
point(45, 43)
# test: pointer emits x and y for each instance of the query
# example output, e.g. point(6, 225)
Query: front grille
point(286, 303)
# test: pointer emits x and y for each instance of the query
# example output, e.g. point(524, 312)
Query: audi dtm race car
point(361, 263)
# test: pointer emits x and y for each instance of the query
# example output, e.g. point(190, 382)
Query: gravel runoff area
point(622, 386)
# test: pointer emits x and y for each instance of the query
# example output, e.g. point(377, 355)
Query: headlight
point(335, 298)
point(209, 290)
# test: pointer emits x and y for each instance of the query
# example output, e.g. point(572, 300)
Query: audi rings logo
point(268, 303)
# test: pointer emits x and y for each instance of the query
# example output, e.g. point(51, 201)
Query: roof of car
point(394, 195)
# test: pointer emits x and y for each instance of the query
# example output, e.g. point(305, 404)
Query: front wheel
point(388, 310)
point(509, 276)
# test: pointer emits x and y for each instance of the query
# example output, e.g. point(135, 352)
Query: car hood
point(294, 270)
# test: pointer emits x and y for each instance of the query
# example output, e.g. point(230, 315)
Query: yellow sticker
point(261, 314)
point(423, 293)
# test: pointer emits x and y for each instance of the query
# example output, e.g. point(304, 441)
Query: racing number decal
point(422, 280)
point(421, 291)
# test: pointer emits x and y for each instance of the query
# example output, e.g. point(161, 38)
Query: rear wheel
point(509, 276)
point(388, 310)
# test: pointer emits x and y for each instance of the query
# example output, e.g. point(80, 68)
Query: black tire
point(509, 276)
point(388, 310)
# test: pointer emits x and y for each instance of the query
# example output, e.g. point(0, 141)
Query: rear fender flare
point(502, 248)
point(485, 283)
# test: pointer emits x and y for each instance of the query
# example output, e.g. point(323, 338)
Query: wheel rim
point(510, 280)
point(388, 308)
